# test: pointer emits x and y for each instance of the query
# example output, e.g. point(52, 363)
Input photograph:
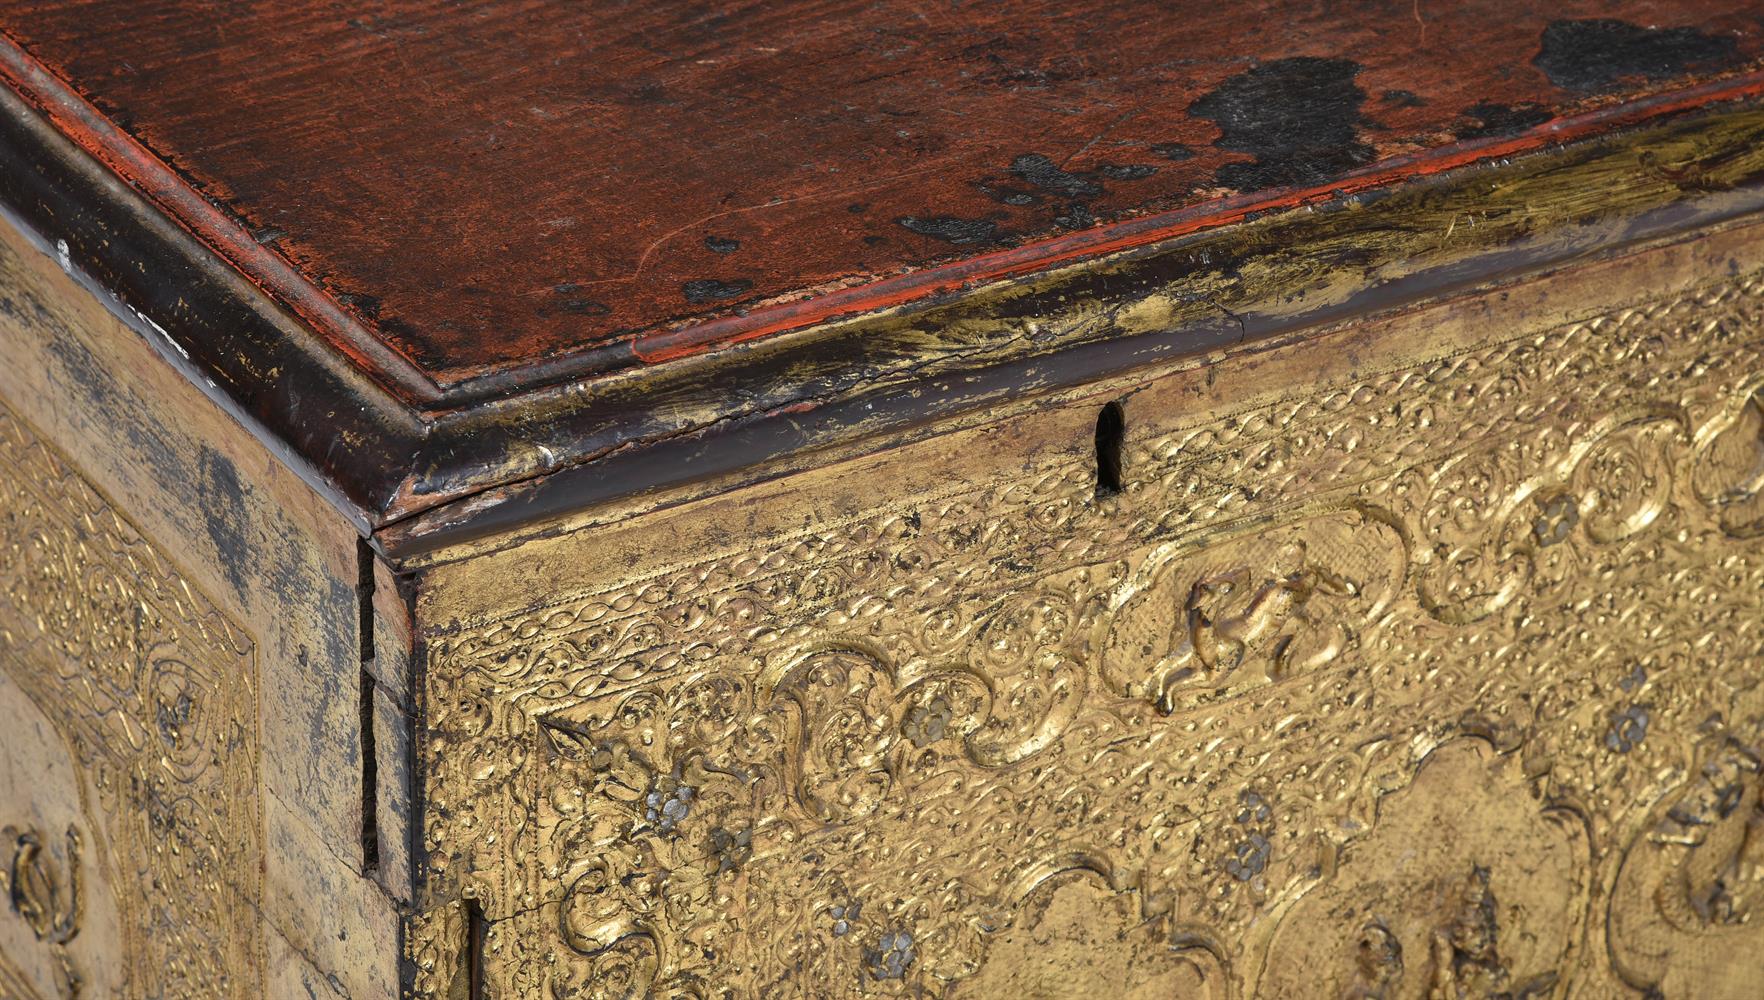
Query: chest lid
point(445, 250)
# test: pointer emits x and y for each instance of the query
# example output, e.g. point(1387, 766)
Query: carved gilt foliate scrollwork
point(922, 751)
point(152, 690)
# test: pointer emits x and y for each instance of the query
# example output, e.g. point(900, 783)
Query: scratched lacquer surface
point(483, 186)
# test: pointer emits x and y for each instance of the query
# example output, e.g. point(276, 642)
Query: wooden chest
point(539, 501)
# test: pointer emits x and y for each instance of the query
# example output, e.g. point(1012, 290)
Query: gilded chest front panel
point(1437, 681)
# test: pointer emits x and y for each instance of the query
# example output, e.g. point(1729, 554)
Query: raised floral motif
point(1197, 716)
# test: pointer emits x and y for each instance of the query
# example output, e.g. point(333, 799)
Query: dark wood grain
point(467, 198)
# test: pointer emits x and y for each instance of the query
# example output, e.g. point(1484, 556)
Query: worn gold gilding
point(132, 851)
point(1436, 680)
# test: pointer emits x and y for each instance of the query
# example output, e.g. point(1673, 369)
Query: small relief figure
point(1466, 960)
point(1237, 615)
point(1194, 626)
point(48, 903)
point(1378, 964)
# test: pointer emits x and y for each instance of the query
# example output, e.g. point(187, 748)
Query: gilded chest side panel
point(132, 841)
point(1441, 678)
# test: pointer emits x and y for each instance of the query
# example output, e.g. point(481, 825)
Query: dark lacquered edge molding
point(425, 480)
point(966, 350)
point(344, 437)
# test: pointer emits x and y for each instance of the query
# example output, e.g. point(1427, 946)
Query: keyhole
point(474, 951)
point(1111, 427)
